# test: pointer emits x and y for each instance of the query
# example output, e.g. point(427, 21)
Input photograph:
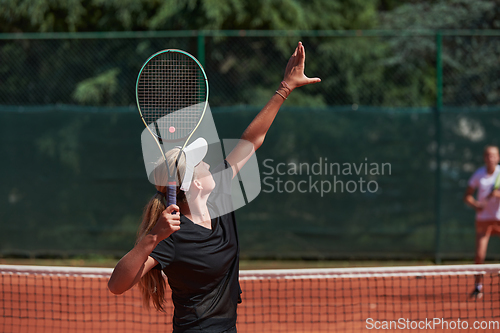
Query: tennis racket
point(172, 97)
point(497, 184)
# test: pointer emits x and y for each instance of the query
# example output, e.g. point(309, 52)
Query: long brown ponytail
point(152, 284)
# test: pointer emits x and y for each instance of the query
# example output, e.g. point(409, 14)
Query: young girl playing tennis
point(197, 246)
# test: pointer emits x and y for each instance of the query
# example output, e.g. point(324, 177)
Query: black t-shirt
point(202, 265)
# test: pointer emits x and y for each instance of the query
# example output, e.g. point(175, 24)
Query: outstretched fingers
point(296, 51)
point(294, 72)
point(299, 55)
point(302, 52)
point(313, 80)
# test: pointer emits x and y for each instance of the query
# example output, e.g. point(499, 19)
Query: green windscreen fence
point(372, 162)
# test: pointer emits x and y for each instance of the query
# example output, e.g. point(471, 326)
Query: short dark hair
point(490, 146)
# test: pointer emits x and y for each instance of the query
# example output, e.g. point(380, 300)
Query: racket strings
point(172, 92)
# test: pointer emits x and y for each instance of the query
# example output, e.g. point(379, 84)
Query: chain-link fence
point(408, 112)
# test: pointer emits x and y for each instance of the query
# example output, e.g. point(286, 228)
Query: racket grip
point(171, 194)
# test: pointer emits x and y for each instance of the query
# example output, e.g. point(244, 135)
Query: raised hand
point(294, 72)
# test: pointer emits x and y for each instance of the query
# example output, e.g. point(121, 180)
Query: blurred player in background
point(487, 206)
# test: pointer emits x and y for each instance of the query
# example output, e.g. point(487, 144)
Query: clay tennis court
point(74, 300)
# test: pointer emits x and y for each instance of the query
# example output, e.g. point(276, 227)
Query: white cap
point(194, 153)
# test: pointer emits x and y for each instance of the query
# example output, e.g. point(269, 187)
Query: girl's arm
point(254, 135)
point(470, 200)
point(137, 262)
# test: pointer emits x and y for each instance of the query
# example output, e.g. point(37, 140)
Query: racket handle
point(171, 194)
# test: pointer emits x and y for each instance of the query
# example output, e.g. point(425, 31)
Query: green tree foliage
point(392, 71)
point(125, 15)
point(443, 14)
point(95, 89)
point(98, 76)
point(470, 63)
